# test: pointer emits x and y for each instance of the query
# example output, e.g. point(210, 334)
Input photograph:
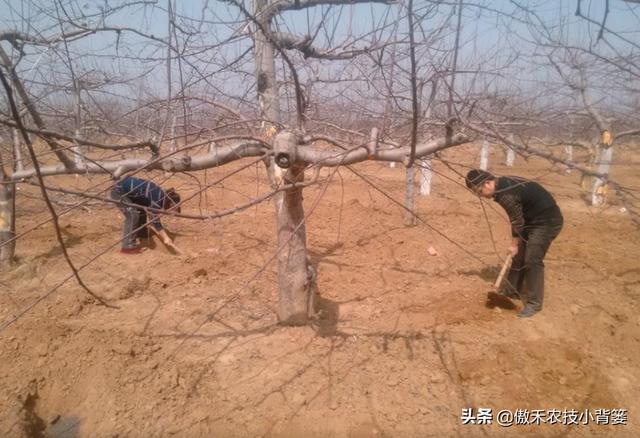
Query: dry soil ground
point(404, 341)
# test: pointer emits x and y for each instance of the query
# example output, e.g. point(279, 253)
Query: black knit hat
point(476, 177)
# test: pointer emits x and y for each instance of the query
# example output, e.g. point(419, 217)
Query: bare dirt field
point(403, 342)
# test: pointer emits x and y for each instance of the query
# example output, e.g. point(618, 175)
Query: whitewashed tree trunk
point(568, 150)
point(409, 218)
point(484, 155)
point(598, 193)
point(426, 174)
point(511, 155)
point(78, 156)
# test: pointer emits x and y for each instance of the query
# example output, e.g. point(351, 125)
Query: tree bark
point(18, 164)
point(409, 218)
point(295, 275)
point(78, 156)
point(599, 190)
point(174, 144)
point(7, 220)
point(265, 66)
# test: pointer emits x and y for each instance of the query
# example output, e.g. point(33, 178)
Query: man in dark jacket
point(138, 197)
point(535, 221)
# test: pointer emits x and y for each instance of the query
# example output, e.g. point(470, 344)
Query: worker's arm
point(513, 206)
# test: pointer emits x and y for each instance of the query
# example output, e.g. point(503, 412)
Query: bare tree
point(247, 80)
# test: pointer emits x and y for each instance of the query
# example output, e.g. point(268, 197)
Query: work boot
point(528, 310)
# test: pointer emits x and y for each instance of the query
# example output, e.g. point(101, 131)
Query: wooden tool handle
point(505, 266)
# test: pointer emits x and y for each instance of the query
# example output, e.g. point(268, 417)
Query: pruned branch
point(303, 45)
point(222, 155)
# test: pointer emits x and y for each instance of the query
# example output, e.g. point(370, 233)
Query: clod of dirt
point(124, 349)
point(42, 350)
point(134, 285)
point(200, 273)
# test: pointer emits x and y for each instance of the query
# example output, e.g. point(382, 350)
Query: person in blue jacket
point(139, 198)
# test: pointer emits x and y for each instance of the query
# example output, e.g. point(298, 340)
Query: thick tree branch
point(228, 153)
point(221, 155)
point(326, 158)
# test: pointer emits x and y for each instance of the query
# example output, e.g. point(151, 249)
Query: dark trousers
point(527, 267)
point(135, 220)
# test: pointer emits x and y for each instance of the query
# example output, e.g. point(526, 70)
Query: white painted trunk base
point(568, 151)
point(484, 155)
point(426, 175)
point(511, 157)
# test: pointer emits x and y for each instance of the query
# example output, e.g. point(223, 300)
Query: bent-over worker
point(138, 197)
point(535, 221)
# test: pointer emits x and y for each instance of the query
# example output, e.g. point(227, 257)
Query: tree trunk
point(599, 191)
point(568, 150)
point(388, 104)
point(511, 155)
point(296, 280)
point(409, 218)
point(7, 220)
point(174, 144)
point(426, 174)
point(484, 155)
point(265, 65)
point(78, 158)
point(18, 164)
